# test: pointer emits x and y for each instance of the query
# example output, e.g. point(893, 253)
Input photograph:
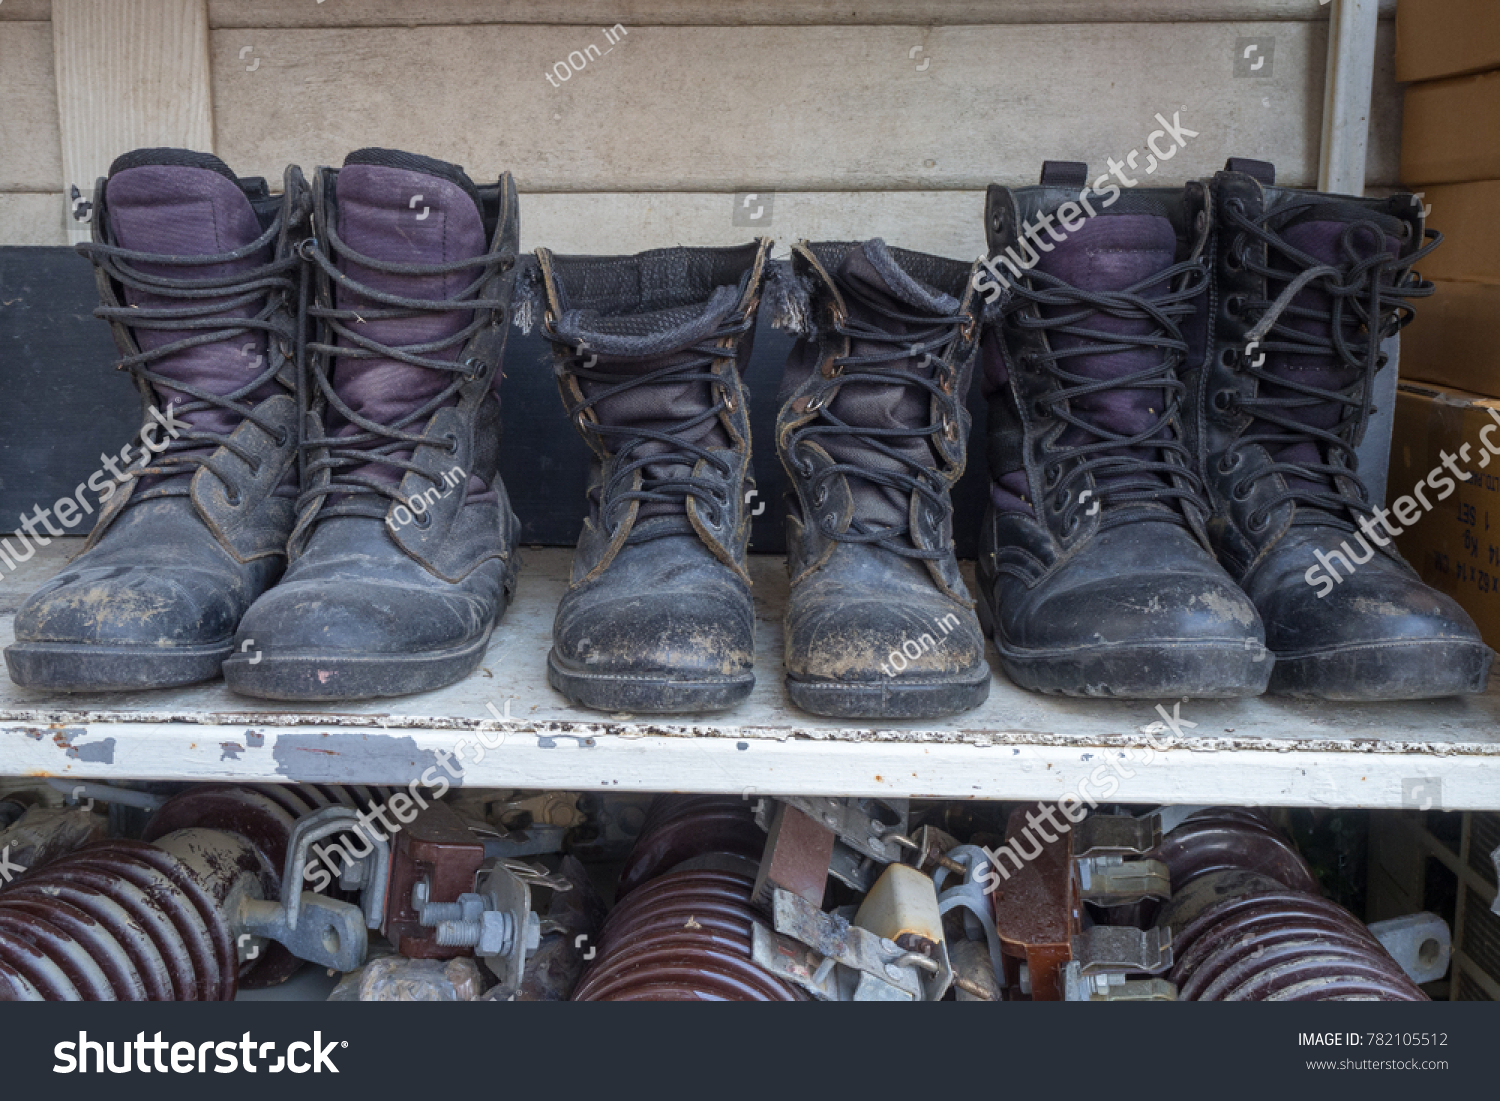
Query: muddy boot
point(1308, 285)
point(403, 558)
point(649, 354)
point(198, 276)
point(873, 432)
point(1095, 564)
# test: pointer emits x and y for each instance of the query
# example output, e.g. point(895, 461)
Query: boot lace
point(1123, 477)
point(1369, 293)
point(624, 441)
point(897, 364)
point(206, 302)
point(349, 492)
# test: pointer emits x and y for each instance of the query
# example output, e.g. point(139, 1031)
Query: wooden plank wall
point(886, 119)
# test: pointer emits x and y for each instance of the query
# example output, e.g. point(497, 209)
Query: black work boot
point(649, 352)
point(197, 273)
point(403, 558)
point(1095, 566)
point(873, 432)
point(1307, 285)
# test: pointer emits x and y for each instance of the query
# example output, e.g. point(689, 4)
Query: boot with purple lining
point(403, 559)
point(1095, 567)
point(1308, 285)
point(197, 272)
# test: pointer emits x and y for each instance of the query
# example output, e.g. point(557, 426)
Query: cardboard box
point(1446, 37)
point(1450, 130)
point(1456, 545)
point(1468, 216)
point(1455, 339)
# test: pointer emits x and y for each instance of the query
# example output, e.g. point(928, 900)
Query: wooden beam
point(130, 73)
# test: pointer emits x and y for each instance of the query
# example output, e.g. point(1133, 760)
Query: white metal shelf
point(1019, 745)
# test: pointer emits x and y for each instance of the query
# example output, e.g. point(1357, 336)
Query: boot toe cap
point(130, 606)
point(872, 640)
point(708, 631)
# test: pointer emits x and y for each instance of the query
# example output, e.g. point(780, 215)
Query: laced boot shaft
point(648, 354)
point(403, 557)
point(1308, 286)
point(873, 432)
point(197, 274)
point(1095, 567)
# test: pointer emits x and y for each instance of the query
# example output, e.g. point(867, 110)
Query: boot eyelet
point(997, 221)
point(1071, 526)
point(1051, 476)
point(1258, 522)
point(820, 497)
point(1237, 205)
point(422, 520)
point(967, 329)
point(1233, 260)
point(1042, 409)
point(814, 403)
point(1241, 491)
point(950, 428)
point(232, 499)
point(1235, 304)
point(1059, 502)
point(833, 368)
point(730, 405)
point(306, 247)
point(452, 439)
point(283, 437)
point(1224, 400)
point(1229, 461)
point(475, 367)
point(1229, 357)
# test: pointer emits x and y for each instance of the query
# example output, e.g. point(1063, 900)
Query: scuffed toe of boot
point(132, 613)
point(364, 621)
point(907, 653)
point(669, 629)
point(1117, 621)
point(1379, 634)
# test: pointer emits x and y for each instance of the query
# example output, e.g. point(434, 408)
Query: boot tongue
point(405, 209)
point(1319, 232)
point(635, 344)
point(871, 279)
point(1112, 252)
point(176, 203)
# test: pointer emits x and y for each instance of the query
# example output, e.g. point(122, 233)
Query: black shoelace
point(348, 492)
point(927, 339)
point(624, 442)
point(1368, 301)
point(1125, 481)
point(207, 303)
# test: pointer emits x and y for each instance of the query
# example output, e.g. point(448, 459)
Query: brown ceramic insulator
point(684, 827)
point(114, 921)
point(685, 936)
point(1243, 936)
point(1224, 838)
point(265, 815)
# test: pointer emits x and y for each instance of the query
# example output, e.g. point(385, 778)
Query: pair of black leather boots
point(327, 520)
point(871, 430)
point(1177, 384)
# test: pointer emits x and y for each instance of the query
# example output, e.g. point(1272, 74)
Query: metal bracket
point(1120, 948)
point(1116, 835)
point(1420, 943)
point(1115, 881)
point(846, 963)
point(1079, 987)
point(855, 823)
point(970, 895)
point(321, 930)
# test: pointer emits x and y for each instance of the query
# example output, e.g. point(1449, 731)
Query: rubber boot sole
point(892, 697)
point(312, 677)
point(648, 695)
point(1419, 669)
point(86, 667)
point(1210, 670)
